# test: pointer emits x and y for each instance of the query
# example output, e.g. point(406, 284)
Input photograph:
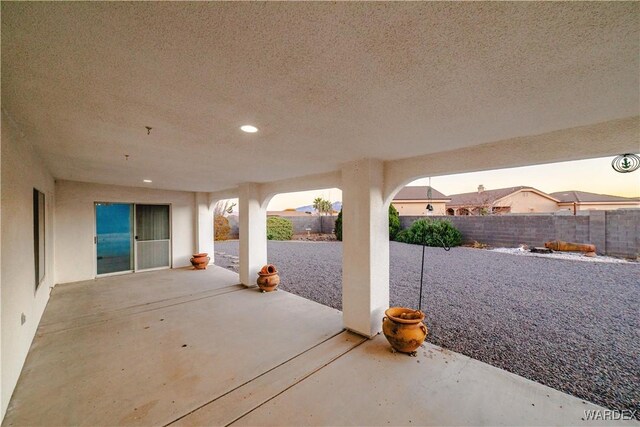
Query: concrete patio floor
point(189, 347)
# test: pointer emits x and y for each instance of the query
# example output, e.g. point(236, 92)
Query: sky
point(592, 175)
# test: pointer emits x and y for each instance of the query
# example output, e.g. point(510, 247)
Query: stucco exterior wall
point(419, 207)
point(75, 224)
point(22, 171)
point(528, 202)
point(598, 206)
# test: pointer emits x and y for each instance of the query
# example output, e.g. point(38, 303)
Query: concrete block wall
point(317, 224)
point(499, 230)
point(615, 233)
point(598, 230)
point(571, 229)
point(623, 233)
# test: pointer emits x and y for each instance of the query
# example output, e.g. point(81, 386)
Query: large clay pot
point(404, 329)
point(200, 261)
point(268, 278)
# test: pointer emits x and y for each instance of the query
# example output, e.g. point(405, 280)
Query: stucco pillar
point(204, 225)
point(253, 233)
point(365, 235)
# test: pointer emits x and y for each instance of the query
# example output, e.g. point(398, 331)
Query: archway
point(226, 233)
point(310, 260)
point(486, 304)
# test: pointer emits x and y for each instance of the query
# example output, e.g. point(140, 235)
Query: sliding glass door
point(114, 226)
point(132, 237)
point(153, 237)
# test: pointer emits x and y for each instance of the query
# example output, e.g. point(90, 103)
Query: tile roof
point(419, 192)
point(585, 197)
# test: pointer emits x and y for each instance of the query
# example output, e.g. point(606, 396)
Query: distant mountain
point(309, 208)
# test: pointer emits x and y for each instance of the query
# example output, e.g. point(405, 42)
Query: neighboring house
point(501, 201)
point(414, 201)
point(582, 201)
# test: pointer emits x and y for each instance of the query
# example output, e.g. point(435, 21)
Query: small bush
point(427, 231)
point(338, 226)
point(221, 227)
point(279, 228)
point(394, 222)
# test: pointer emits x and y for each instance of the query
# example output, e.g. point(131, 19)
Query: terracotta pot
point(268, 269)
point(268, 282)
point(200, 261)
point(404, 329)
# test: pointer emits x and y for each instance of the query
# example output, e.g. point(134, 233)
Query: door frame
point(135, 241)
point(95, 240)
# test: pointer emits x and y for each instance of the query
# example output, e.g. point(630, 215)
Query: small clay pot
point(268, 269)
point(268, 282)
point(404, 329)
point(200, 257)
point(200, 261)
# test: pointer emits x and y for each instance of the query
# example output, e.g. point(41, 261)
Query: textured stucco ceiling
point(326, 83)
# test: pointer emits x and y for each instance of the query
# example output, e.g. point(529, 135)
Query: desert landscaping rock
point(315, 237)
point(571, 325)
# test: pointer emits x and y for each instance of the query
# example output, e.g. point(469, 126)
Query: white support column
point(365, 235)
point(204, 225)
point(253, 233)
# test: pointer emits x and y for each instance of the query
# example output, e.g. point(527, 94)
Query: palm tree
point(322, 206)
point(317, 203)
point(326, 207)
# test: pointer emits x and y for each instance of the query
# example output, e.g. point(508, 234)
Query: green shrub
point(427, 231)
point(279, 228)
point(221, 227)
point(394, 224)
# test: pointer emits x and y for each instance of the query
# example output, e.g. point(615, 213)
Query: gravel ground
point(571, 325)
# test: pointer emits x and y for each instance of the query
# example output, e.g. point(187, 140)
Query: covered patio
point(143, 106)
point(186, 347)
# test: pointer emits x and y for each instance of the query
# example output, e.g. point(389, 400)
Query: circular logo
point(625, 163)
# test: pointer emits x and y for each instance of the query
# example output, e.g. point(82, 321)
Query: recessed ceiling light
point(146, 180)
point(249, 129)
